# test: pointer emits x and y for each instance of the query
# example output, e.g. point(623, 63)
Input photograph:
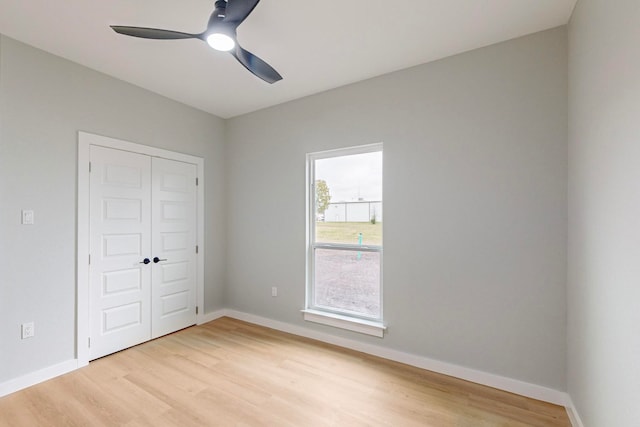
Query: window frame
point(345, 319)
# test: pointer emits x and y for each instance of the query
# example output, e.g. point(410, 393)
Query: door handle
point(157, 260)
point(145, 261)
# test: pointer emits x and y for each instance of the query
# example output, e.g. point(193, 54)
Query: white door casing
point(121, 286)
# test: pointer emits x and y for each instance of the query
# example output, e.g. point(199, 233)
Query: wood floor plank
point(232, 373)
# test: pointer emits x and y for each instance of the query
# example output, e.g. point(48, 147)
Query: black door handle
point(157, 260)
point(145, 261)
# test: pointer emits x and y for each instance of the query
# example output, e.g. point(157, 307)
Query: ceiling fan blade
point(256, 65)
point(238, 10)
point(152, 33)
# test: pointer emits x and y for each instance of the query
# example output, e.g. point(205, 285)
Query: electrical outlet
point(28, 330)
point(27, 217)
point(274, 291)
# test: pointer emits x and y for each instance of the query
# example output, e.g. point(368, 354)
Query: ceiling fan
point(220, 35)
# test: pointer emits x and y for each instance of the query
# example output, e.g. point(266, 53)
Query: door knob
point(145, 261)
point(157, 260)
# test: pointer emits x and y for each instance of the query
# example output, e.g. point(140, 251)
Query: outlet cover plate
point(27, 217)
point(28, 330)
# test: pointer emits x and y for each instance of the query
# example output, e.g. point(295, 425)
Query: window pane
point(347, 280)
point(348, 199)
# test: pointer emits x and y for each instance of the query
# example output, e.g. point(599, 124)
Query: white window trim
point(368, 327)
point(312, 313)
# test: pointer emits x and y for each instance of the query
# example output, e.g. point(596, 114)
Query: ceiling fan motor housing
point(220, 12)
point(217, 24)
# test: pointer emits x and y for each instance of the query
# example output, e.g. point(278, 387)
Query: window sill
point(367, 327)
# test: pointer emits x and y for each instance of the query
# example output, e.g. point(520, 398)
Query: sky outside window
point(352, 178)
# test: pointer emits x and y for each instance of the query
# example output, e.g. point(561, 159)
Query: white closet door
point(120, 240)
point(173, 246)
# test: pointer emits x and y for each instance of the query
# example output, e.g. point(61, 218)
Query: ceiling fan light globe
point(221, 42)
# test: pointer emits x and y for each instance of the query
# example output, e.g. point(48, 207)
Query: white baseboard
point(213, 315)
point(496, 381)
point(36, 377)
point(573, 413)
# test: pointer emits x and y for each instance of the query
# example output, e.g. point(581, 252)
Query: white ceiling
point(315, 45)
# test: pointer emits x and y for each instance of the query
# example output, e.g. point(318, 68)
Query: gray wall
point(604, 212)
point(475, 163)
point(44, 101)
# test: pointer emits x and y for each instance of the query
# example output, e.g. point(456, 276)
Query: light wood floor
point(231, 373)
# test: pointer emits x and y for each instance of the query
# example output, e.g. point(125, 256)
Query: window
point(344, 251)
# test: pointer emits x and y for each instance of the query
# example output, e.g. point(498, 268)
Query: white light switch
point(27, 217)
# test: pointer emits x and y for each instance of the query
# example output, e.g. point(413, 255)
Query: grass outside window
point(348, 233)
